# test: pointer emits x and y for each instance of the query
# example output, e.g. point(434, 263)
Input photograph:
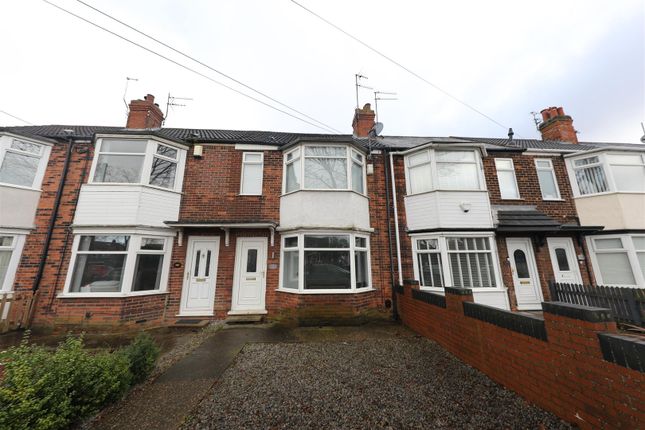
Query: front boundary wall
point(572, 362)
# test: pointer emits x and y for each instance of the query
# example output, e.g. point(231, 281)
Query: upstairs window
point(447, 170)
point(506, 178)
point(129, 161)
point(324, 168)
point(547, 179)
point(252, 165)
point(21, 163)
point(590, 175)
point(628, 171)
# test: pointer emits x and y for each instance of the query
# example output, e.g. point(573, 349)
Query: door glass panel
point(251, 261)
point(197, 257)
point(563, 262)
point(521, 266)
point(208, 263)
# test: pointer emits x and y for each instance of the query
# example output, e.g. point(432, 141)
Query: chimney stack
point(144, 113)
point(363, 120)
point(556, 125)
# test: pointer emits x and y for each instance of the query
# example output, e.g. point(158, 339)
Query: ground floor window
point(619, 259)
point(454, 260)
point(109, 263)
point(10, 250)
point(325, 262)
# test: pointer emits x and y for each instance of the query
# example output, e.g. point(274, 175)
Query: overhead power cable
point(396, 63)
point(205, 65)
point(15, 117)
point(177, 63)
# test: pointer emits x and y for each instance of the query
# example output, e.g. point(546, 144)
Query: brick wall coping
point(430, 298)
point(521, 323)
point(458, 291)
point(626, 351)
point(579, 312)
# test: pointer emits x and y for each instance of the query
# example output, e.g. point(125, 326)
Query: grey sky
point(506, 58)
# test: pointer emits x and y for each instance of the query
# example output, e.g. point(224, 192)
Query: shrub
point(142, 354)
point(43, 389)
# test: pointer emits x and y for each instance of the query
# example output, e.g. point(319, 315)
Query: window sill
point(584, 196)
point(440, 290)
point(125, 185)
point(20, 187)
point(446, 191)
point(512, 200)
point(318, 292)
point(553, 200)
point(324, 191)
point(108, 295)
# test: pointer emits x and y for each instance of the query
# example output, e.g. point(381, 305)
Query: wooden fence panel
point(627, 304)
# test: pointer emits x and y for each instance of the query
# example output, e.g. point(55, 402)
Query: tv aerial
point(358, 84)
point(125, 93)
point(378, 95)
point(172, 101)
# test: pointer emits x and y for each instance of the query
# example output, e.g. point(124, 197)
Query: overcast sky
point(505, 58)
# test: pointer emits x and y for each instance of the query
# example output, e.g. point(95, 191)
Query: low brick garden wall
point(572, 362)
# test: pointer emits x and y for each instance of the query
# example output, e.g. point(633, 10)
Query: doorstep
point(248, 312)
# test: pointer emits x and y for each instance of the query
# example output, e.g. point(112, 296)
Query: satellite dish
point(377, 129)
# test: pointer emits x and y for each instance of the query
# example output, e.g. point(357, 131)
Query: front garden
point(42, 388)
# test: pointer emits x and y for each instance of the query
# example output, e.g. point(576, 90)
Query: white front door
point(198, 293)
point(249, 279)
point(564, 261)
point(525, 277)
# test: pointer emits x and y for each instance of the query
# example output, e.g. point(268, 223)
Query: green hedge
point(43, 389)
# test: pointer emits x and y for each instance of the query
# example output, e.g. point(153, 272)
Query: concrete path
point(164, 403)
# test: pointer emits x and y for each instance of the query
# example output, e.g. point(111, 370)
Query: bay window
point(590, 176)
point(609, 172)
point(506, 178)
point(22, 163)
point(434, 169)
point(446, 260)
point(547, 179)
point(619, 259)
point(628, 171)
point(322, 263)
point(135, 161)
point(116, 264)
point(318, 167)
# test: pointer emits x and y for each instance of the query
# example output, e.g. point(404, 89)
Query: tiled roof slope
point(283, 138)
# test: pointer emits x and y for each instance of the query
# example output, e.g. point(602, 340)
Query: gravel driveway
point(377, 383)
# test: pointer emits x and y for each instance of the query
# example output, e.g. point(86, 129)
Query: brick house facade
point(125, 251)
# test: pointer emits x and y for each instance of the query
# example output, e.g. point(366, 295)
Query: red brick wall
point(529, 186)
point(565, 374)
point(212, 187)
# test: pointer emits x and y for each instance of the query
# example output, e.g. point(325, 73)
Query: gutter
point(54, 215)
point(396, 221)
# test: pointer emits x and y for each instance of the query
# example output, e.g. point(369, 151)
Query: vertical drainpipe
point(396, 221)
point(395, 311)
point(54, 215)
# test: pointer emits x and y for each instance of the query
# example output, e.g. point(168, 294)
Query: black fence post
point(633, 306)
point(552, 291)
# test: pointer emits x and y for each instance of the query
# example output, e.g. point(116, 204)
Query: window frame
point(506, 169)
point(551, 168)
point(301, 262)
point(445, 259)
point(129, 267)
point(628, 248)
point(254, 163)
point(299, 154)
point(146, 167)
point(433, 171)
point(6, 141)
point(16, 247)
point(606, 165)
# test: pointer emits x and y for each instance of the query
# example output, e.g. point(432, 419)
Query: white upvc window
point(325, 262)
point(453, 259)
point(442, 169)
point(252, 173)
point(22, 163)
point(137, 161)
point(615, 171)
point(324, 167)
point(619, 260)
point(10, 250)
point(506, 179)
point(547, 179)
point(117, 263)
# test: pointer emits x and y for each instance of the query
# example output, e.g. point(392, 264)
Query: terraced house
point(153, 225)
